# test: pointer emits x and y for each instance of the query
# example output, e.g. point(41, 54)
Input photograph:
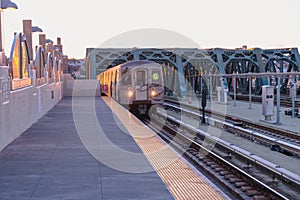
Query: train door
point(141, 86)
point(115, 84)
point(110, 83)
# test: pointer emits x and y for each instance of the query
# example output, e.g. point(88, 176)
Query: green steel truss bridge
point(188, 69)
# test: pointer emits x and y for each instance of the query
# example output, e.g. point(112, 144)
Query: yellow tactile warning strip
point(180, 179)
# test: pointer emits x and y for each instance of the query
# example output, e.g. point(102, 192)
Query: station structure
point(185, 68)
point(41, 152)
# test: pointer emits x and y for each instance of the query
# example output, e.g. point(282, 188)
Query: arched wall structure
point(19, 63)
point(40, 65)
point(49, 67)
point(55, 69)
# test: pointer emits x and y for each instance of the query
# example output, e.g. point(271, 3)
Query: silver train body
point(136, 84)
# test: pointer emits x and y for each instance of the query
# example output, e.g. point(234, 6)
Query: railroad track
point(278, 140)
point(238, 173)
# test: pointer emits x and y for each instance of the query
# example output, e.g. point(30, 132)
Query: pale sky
point(210, 23)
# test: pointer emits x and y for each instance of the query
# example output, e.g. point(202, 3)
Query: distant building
point(244, 47)
point(76, 67)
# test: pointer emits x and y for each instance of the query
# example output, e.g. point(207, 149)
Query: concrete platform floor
point(49, 162)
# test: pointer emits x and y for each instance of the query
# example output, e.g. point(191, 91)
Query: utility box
point(268, 101)
point(225, 95)
point(219, 89)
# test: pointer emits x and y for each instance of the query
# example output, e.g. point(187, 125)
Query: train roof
point(135, 63)
point(131, 64)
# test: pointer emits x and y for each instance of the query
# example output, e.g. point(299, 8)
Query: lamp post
point(5, 5)
point(35, 29)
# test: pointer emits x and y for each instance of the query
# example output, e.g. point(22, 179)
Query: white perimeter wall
point(21, 108)
point(83, 87)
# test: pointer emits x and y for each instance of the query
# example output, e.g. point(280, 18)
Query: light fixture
point(8, 5)
point(36, 29)
point(130, 92)
point(49, 41)
point(5, 5)
point(153, 92)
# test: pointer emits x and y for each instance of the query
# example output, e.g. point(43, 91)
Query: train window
point(140, 77)
point(156, 77)
point(116, 76)
point(126, 77)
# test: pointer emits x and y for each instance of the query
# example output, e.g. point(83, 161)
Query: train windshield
point(156, 77)
point(141, 77)
point(126, 77)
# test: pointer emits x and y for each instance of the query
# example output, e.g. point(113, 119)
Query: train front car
point(141, 85)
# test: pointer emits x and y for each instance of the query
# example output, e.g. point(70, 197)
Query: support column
point(262, 69)
point(278, 101)
point(136, 54)
point(182, 87)
point(297, 58)
point(220, 64)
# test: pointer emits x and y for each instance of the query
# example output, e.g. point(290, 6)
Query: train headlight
point(130, 92)
point(153, 92)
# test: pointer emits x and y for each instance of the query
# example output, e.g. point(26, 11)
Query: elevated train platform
point(254, 114)
point(51, 161)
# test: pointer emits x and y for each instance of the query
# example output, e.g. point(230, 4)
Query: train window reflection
point(140, 78)
point(126, 78)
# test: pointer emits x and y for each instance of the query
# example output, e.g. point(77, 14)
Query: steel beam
point(225, 60)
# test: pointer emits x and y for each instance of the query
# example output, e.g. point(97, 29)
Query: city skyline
point(210, 24)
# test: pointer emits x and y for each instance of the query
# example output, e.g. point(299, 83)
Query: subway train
point(137, 85)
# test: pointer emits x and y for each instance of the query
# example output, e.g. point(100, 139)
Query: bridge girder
point(183, 67)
